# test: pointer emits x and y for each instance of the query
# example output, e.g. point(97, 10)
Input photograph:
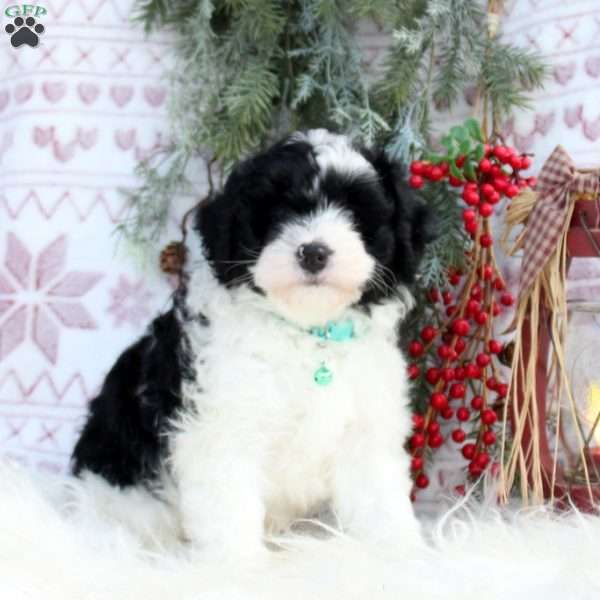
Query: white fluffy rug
point(52, 548)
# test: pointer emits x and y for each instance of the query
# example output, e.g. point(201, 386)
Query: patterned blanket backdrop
point(76, 114)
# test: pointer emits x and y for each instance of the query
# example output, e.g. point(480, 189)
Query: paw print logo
point(24, 31)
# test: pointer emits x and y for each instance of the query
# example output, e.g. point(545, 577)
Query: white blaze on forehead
point(335, 152)
point(293, 291)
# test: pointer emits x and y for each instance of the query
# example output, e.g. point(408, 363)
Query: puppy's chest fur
point(255, 372)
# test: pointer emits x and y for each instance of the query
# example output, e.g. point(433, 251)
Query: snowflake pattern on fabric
point(36, 294)
point(130, 303)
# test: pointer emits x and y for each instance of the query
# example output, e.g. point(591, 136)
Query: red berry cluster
point(457, 357)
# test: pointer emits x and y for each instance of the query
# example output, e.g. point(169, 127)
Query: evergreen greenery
point(247, 72)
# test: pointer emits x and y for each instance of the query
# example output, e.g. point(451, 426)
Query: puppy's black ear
point(414, 223)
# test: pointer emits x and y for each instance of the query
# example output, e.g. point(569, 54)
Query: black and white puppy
point(276, 384)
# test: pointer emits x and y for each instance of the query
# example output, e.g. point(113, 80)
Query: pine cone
point(172, 258)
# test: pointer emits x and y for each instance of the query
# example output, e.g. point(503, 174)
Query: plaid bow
point(556, 183)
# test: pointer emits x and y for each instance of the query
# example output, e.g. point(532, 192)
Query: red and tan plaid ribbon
point(557, 181)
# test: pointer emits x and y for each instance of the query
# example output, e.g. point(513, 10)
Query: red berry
point(458, 435)
point(463, 414)
point(444, 351)
point(500, 184)
point(418, 421)
point(468, 451)
point(488, 271)
point(483, 359)
point(422, 481)
point(491, 383)
point(417, 440)
point(512, 191)
point(471, 198)
point(416, 464)
point(485, 165)
point(468, 215)
point(495, 346)
point(436, 174)
point(432, 375)
point(482, 460)
point(473, 307)
point(476, 292)
point(494, 198)
point(474, 469)
point(473, 371)
point(417, 167)
point(460, 327)
point(451, 310)
point(486, 209)
point(454, 279)
point(447, 413)
point(477, 403)
point(460, 161)
point(488, 438)
point(447, 298)
point(525, 162)
point(515, 162)
point(488, 416)
point(507, 299)
point(428, 333)
point(488, 190)
point(481, 317)
point(501, 153)
point(447, 374)
point(460, 373)
point(499, 284)
point(438, 401)
point(435, 440)
point(502, 390)
point(496, 310)
point(471, 226)
point(413, 371)
point(433, 427)
point(415, 348)
point(416, 182)
point(531, 181)
point(485, 240)
point(457, 390)
point(455, 181)
point(460, 345)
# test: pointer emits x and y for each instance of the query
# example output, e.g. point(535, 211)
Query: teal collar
point(336, 331)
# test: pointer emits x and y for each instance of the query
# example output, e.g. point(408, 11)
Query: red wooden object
point(578, 245)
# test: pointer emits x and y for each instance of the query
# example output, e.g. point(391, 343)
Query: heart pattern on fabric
point(573, 115)
point(23, 92)
point(125, 139)
point(121, 94)
point(88, 92)
point(54, 91)
point(592, 66)
point(155, 96)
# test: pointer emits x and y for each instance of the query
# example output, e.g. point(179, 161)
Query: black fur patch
point(123, 438)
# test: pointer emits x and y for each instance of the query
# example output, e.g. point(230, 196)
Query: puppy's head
point(315, 225)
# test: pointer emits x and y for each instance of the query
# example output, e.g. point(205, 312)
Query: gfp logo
point(25, 29)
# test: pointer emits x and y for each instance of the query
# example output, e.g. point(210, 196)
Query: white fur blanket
point(58, 542)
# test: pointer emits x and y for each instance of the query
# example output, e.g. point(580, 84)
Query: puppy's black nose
point(313, 257)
